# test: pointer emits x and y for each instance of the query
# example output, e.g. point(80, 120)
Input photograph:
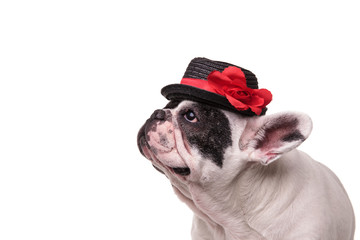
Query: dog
point(243, 177)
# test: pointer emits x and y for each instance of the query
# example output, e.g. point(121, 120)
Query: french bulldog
point(243, 177)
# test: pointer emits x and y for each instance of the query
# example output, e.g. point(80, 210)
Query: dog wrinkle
point(229, 222)
point(182, 149)
point(268, 208)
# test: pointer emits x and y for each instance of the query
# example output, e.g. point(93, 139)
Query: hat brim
point(186, 92)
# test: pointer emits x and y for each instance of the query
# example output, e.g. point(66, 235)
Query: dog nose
point(158, 115)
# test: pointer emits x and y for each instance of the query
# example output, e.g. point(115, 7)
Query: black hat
point(222, 85)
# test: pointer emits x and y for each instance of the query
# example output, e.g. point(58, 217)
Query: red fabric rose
point(231, 83)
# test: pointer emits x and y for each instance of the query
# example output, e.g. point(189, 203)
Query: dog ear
point(266, 138)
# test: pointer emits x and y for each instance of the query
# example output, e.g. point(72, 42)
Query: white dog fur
point(265, 189)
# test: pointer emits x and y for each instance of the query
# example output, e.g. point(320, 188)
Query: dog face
point(194, 142)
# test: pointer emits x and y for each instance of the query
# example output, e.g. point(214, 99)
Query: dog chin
point(173, 162)
point(170, 160)
point(168, 163)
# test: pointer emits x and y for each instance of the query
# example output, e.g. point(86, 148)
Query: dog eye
point(190, 116)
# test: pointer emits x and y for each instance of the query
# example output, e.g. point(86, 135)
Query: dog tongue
point(182, 171)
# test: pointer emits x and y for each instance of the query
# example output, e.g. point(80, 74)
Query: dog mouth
point(147, 151)
point(183, 171)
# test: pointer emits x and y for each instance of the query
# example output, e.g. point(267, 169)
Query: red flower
point(231, 83)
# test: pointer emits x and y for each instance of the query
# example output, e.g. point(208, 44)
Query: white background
point(78, 79)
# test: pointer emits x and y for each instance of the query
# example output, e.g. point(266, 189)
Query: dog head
point(194, 142)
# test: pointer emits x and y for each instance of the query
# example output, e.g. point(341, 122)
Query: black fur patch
point(211, 134)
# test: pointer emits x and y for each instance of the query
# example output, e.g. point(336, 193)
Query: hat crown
point(200, 68)
point(222, 85)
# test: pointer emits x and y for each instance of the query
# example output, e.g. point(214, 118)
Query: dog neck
point(237, 208)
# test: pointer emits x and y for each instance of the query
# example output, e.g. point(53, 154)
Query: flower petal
point(219, 77)
point(217, 81)
point(231, 83)
point(265, 94)
point(236, 103)
point(256, 101)
point(234, 73)
point(256, 110)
